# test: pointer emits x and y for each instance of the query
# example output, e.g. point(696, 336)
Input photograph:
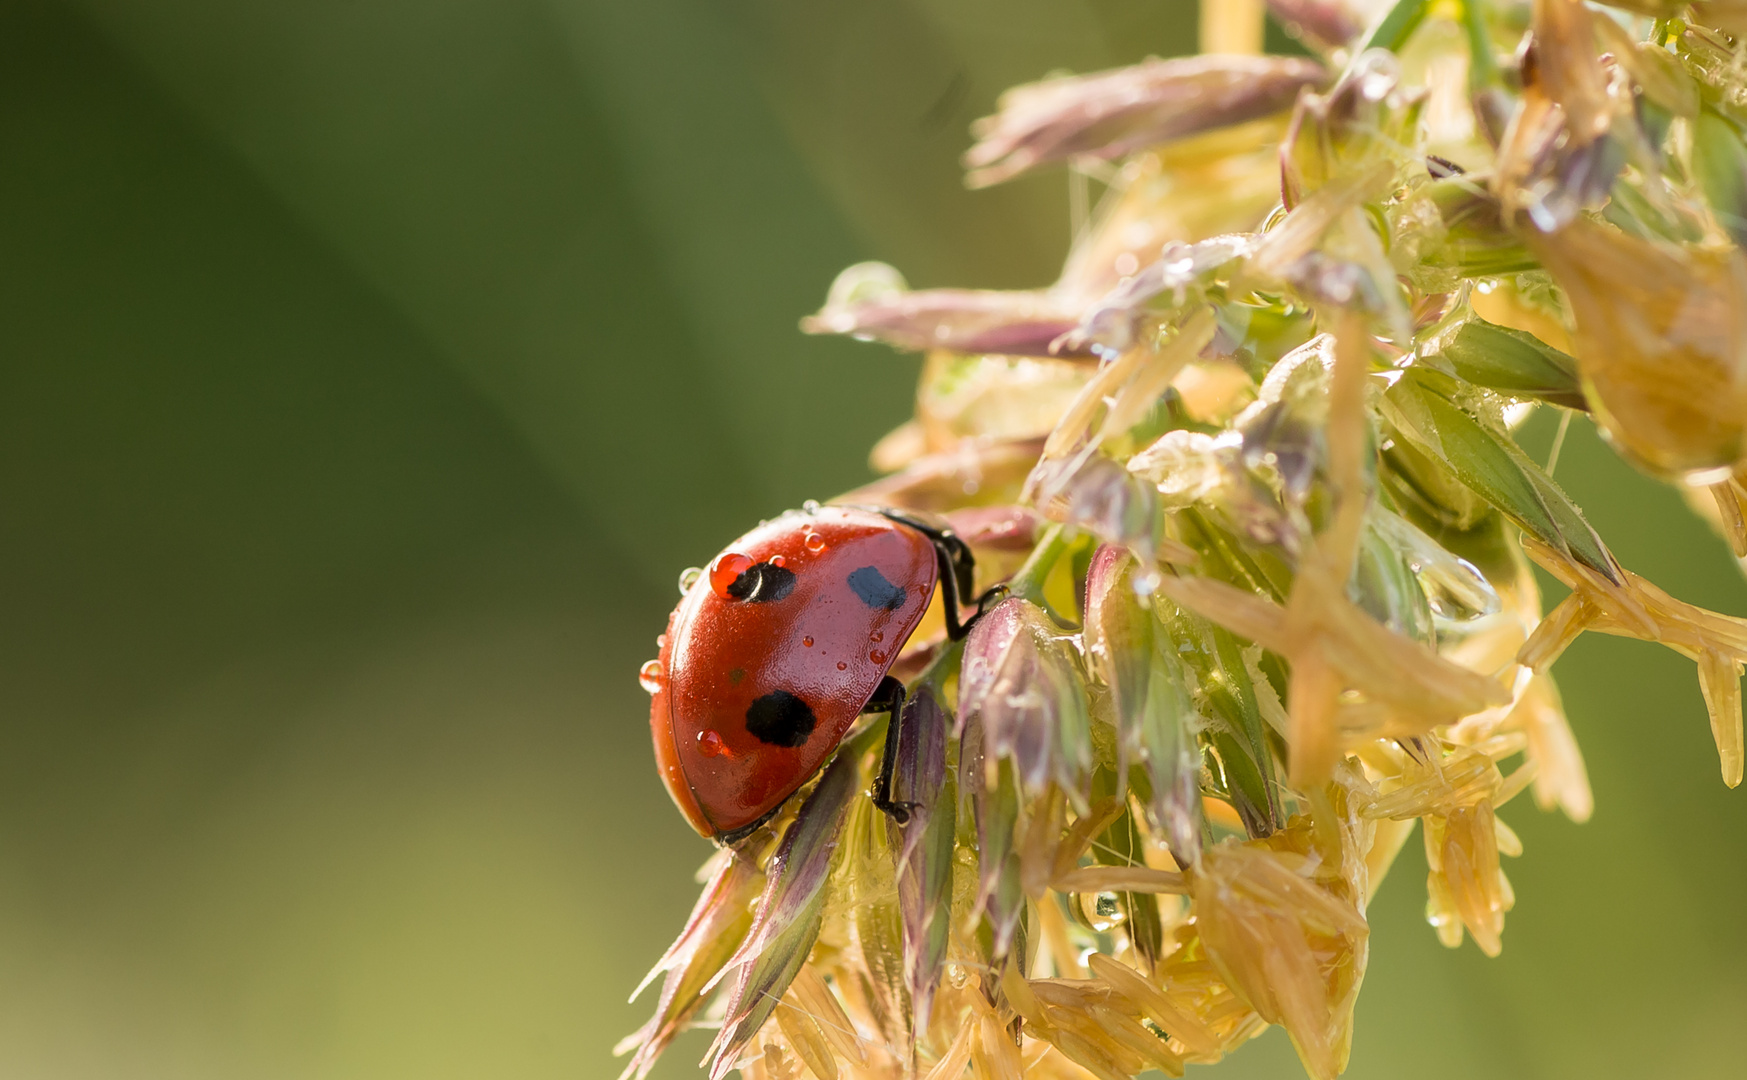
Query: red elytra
point(773, 653)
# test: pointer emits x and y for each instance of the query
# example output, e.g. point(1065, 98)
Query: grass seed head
point(1247, 476)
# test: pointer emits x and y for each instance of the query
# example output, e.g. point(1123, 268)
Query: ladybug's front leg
point(957, 572)
point(889, 698)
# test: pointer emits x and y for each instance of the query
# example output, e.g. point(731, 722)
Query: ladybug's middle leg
point(889, 698)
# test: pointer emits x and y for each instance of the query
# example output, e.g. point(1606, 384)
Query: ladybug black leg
point(995, 595)
point(952, 594)
point(889, 698)
point(956, 587)
point(958, 569)
point(957, 581)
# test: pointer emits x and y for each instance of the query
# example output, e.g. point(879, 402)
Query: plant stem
point(1028, 583)
point(1482, 65)
point(1397, 26)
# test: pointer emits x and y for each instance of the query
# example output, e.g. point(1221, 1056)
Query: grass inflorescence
point(1247, 474)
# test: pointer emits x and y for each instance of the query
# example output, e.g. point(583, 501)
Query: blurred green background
point(371, 369)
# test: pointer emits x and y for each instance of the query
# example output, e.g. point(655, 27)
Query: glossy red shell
point(824, 643)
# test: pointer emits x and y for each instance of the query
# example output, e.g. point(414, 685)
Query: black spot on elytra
point(875, 591)
point(780, 719)
point(762, 583)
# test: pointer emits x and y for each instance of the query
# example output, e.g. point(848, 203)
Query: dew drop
point(807, 641)
point(878, 636)
point(651, 676)
point(877, 656)
point(710, 743)
point(841, 666)
point(1103, 911)
point(811, 506)
point(777, 560)
point(661, 641)
point(1147, 583)
point(815, 543)
point(689, 577)
point(727, 567)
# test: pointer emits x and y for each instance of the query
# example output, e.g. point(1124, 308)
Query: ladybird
point(780, 644)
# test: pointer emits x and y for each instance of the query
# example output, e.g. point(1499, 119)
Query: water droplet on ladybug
point(807, 641)
point(726, 569)
point(878, 636)
point(811, 506)
point(689, 577)
point(777, 560)
point(651, 676)
point(877, 656)
point(841, 666)
point(815, 543)
point(710, 743)
point(661, 641)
